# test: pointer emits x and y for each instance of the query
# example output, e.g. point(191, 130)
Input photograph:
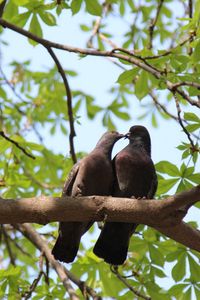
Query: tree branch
point(69, 103)
point(2, 6)
point(153, 24)
point(40, 242)
point(182, 232)
point(33, 286)
point(9, 248)
point(114, 269)
point(16, 144)
point(181, 123)
point(164, 214)
point(135, 61)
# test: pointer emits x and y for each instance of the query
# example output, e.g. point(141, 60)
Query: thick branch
point(164, 215)
point(181, 233)
point(49, 209)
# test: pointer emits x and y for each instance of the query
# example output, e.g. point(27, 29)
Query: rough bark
point(165, 215)
point(166, 212)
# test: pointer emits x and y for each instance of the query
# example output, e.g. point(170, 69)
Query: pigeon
point(135, 177)
point(92, 175)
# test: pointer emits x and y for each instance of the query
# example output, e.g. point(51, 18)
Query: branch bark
point(165, 215)
point(66, 276)
point(135, 61)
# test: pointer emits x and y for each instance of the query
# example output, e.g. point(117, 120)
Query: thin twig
point(7, 243)
point(94, 32)
point(190, 13)
point(18, 246)
point(107, 40)
point(114, 270)
point(186, 83)
point(181, 122)
point(12, 87)
point(33, 286)
point(2, 6)
point(97, 25)
point(162, 107)
point(170, 51)
point(190, 8)
point(16, 144)
point(131, 53)
point(69, 103)
point(153, 24)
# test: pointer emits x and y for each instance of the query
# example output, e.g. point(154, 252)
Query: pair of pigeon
point(130, 174)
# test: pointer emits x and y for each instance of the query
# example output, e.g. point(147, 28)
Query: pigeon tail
point(112, 244)
point(65, 251)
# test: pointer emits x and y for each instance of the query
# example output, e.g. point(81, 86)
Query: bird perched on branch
point(93, 175)
point(135, 177)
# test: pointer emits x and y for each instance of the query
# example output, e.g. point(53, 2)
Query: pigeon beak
point(122, 136)
point(127, 135)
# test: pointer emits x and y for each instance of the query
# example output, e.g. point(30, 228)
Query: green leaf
point(76, 6)
point(141, 85)
point(194, 178)
point(197, 292)
point(20, 2)
point(85, 28)
point(10, 272)
point(127, 76)
point(63, 129)
point(154, 121)
point(178, 271)
point(156, 256)
point(187, 295)
point(47, 17)
point(150, 235)
point(177, 290)
point(11, 10)
point(4, 145)
point(21, 19)
point(166, 167)
point(192, 127)
point(196, 54)
point(35, 28)
point(172, 256)
point(93, 7)
point(191, 117)
point(164, 185)
point(194, 269)
point(122, 115)
point(34, 146)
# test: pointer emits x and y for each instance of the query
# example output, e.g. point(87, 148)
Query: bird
point(135, 177)
point(92, 175)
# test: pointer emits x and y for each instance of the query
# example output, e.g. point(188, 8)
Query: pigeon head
point(107, 141)
point(139, 136)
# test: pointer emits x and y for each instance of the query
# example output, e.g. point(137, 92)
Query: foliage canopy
point(159, 56)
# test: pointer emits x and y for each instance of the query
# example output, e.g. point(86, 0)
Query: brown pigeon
point(93, 175)
point(135, 177)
